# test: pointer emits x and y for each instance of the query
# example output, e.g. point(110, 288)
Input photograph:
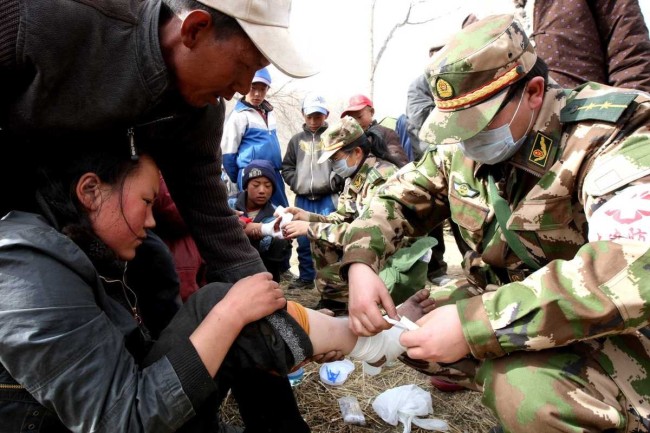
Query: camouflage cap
point(338, 136)
point(470, 75)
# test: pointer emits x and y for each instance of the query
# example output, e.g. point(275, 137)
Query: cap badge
point(255, 172)
point(444, 89)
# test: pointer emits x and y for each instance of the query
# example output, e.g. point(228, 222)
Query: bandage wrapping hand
point(285, 217)
point(268, 230)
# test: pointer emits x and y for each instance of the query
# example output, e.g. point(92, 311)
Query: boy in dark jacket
point(258, 183)
point(315, 185)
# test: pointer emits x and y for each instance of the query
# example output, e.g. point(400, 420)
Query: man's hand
point(294, 229)
point(440, 337)
point(367, 293)
point(254, 297)
point(298, 214)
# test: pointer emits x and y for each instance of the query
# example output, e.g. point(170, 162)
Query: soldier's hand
point(294, 229)
point(440, 337)
point(367, 293)
point(298, 214)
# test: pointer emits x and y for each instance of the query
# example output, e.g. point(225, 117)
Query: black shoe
point(337, 307)
point(496, 429)
point(299, 283)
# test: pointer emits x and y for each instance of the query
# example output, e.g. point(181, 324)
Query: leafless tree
point(408, 19)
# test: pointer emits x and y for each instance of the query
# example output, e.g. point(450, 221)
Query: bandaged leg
point(380, 348)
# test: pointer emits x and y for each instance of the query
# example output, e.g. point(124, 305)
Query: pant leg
point(556, 390)
point(327, 261)
point(255, 366)
point(322, 206)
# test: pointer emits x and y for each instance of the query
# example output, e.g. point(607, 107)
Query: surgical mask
point(340, 167)
point(492, 146)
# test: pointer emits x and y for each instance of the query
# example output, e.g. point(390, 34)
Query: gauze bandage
point(383, 345)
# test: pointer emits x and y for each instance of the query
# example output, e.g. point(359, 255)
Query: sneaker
point(444, 386)
point(337, 307)
point(299, 283)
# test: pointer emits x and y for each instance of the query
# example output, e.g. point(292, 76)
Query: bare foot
point(326, 311)
point(417, 305)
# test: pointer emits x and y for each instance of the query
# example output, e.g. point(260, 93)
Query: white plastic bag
point(336, 373)
point(406, 404)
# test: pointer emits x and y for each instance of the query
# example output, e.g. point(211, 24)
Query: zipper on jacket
point(11, 386)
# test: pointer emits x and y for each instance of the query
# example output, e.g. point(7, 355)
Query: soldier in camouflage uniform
point(551, 189)
point(345, 143)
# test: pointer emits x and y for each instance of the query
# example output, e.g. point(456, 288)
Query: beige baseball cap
point(266, 22)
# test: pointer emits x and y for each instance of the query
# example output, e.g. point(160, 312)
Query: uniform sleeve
point(410, 203)
point(604, 290)
point(289, 164)
point(193, 178)
point(233, 132)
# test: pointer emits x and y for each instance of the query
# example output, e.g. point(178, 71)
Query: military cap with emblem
point(470, 76)
point(337, 136)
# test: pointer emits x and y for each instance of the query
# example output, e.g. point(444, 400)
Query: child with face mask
point(365, 165)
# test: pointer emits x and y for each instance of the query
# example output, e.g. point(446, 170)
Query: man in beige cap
point(549, 187)
point(153, 72)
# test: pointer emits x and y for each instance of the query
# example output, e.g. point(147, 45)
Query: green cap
point(339, 135)
point(470, 75)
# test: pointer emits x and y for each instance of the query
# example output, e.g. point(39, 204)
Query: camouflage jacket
point(587, 148)
point(356, 195)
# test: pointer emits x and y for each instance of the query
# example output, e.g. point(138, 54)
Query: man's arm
point(289, 163)
point(191, 168)
point(624, 36)
point(411, 203)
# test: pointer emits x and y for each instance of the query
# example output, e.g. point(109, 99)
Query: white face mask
point(492, 146)
point(340, 167)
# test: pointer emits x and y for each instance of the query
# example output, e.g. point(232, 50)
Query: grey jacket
point(93, 66)
point(63, 341)
point(301, 170)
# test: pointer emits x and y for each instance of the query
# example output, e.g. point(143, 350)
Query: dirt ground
point(318, 403)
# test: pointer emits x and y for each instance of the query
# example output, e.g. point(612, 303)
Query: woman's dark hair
point(57, 177)
point(372, 142)
point(224, 25)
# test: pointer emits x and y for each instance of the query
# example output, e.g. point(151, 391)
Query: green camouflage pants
point(563, 389)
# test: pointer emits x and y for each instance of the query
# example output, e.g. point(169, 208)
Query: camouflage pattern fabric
point(468, 77)
point(326, 231)
point(588, 307)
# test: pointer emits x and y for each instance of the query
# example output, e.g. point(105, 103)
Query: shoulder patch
point(608, 108)
point(541, 149)
point(464, 190)
point(358, 182)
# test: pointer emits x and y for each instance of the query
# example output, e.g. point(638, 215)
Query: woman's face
point(123, 213)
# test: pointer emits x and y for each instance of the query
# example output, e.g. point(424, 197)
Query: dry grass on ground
point(318, 402)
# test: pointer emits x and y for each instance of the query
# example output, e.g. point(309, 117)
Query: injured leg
point(329, 334)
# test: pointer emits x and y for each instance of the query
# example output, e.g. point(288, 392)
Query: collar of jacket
point(264, 106)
